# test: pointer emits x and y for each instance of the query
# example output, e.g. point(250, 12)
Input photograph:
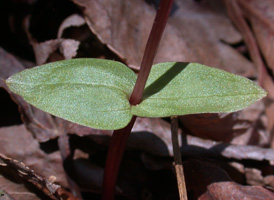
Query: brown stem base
point(115, 153)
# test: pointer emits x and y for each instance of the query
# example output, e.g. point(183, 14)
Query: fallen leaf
point(246, 127)
point(259, 177)
point(260, 14)
point(152, 136)
point(214, 183)
point(206, 172)
point(16, 142)
point(218, 127)
point(254, 177)
point(230, 190)
point(8, 64)
point(197, 146)
point(260, 17)
point(72, 20)
point(69, 47)
point(15, 191)
point(43, 50)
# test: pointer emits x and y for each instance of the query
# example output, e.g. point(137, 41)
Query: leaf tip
point(263, 93)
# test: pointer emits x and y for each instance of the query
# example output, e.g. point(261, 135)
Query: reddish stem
point(119, 137)
point(151, 49)
point(115, 153)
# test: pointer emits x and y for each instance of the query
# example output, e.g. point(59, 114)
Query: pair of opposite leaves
point(95, 92)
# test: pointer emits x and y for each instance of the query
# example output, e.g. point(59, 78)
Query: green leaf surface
point(189, 88)
point(90, 92)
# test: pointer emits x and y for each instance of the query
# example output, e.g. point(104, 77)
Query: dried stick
point(177, 159)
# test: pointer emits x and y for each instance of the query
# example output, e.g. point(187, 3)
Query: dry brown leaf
point(151, 135)
point(219, 127)
point(238, 18)
point(195, 32)
point(246, 127)
point(15, 191)
point(214, 183)
point(73, 20)
point(269, 180)
point(261, 17)
point(260, 14)
point(230, 190)
point(197, 146)
point(16, 142)
point(201, 173)
point(255, 177)
point(43, 50)
point(69, 47)
point(8, 64)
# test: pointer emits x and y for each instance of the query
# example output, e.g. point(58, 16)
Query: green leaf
point(90, 92)
point(188, 88)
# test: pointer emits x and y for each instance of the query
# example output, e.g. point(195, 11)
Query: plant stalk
point(178, 159)
point(120, 137)
point(115, 153)
point(151, 50)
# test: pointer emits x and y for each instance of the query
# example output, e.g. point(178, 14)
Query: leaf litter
point(199, 31)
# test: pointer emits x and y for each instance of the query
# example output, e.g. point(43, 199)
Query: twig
point(178, 160)
point(45, 185)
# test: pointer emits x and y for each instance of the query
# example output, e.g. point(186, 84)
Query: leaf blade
point(90, 92)
point(189, 88)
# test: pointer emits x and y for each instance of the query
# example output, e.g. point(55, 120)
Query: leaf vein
point(87, 84)
point(200, 97)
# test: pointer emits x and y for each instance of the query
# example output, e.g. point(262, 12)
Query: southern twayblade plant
point(95, 93)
